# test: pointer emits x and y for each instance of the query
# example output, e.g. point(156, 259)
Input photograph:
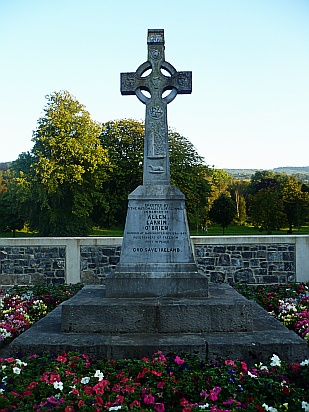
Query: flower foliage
point(288, 303)
point(20, 307)
point(72, 382)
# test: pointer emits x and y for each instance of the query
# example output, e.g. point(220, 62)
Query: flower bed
point(20, 307)
point(288, 303)
point(71, 382)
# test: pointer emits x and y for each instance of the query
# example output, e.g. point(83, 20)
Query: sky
point(249, 106)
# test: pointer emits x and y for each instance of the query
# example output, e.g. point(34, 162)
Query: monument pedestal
point(157, 258)
point(224, 325)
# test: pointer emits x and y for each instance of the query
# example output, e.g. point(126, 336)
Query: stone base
point(91, 311)
point(156, 284)
point(268, 336)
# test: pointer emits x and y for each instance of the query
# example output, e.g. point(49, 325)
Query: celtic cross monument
point(156, 257)
point(156, 157)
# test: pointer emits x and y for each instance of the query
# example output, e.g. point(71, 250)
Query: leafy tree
point(124, 141)
point(223, 211)
point(190, 174)
point(262, 179)
point(63, 174)
point(295, 202)
point(11, 217)
point(238, 191)
point(266, 210)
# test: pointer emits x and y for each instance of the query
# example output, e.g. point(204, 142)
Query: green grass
point(213, 230)
point(235, 230)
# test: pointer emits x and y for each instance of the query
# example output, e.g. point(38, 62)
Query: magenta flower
point(148, 399)
point(179, 361)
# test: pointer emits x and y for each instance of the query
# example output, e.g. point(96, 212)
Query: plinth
point(157, 258)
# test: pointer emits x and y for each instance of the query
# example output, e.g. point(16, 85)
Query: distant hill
point(302, 173)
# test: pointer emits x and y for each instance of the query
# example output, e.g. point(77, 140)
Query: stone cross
point(156, 77)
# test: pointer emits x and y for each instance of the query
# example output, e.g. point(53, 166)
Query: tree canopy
point(124, 142)
point(63, 174)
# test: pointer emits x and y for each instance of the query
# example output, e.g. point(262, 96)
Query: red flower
point(54, 377)
point(135, 403)
point(62, 358)
point(32, 385)
point(88, 390)
point(100, 386)
point(69, 409)
point(244, 367)
point(98, 401)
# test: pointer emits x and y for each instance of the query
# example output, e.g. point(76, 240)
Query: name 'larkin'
point(156, 222)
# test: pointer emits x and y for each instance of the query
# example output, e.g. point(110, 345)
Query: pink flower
point(213, 393)
point(244, 367)
point(148, 399)
point(159, 407)
point(179, 361)
point(230, 362)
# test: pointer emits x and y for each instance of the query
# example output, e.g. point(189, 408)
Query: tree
point(11, 216)
point(266, 210)
point(238, 190)
point(124, 141)
point(295, 202)
point(189, 173)
point(62, 175)
point(223, 211)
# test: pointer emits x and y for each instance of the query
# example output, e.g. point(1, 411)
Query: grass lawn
point(213, 230)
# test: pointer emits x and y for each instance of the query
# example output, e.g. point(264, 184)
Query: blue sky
point(249, 59)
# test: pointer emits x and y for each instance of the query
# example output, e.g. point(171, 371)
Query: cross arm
point(182, 81)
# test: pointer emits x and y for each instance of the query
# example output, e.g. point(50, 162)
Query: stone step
point(268, 336)
point(89, 311)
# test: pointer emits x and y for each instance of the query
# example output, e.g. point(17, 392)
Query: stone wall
point(97, 262)
point(252, 259)
point(274, 263)
point(26, 265)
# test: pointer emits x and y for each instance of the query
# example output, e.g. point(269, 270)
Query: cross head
point(156, 83)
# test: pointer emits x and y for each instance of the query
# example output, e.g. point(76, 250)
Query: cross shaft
point(162, 77)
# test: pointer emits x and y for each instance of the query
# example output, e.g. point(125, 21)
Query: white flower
point(20, 363)
point(305, 405)
point(264, 368)
point(1, 390)
point(16, 370)
point(114, 408)
point(58, 385)
point(204, 406)
point(269, 408)
point(275, 360)
point(305, 362)
point(251, 374)
point(99, 375)
point(85, 380)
